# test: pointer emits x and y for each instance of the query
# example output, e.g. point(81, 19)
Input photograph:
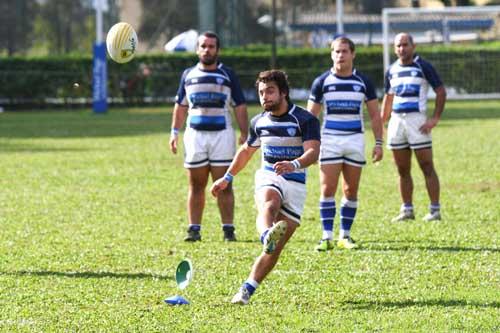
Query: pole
point(206, 15)
point(98, 24)
point(340, 17)
point(99, 68)
point(273, 34)
point(385, 37)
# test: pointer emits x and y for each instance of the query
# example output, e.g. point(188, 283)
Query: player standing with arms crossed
point(205, 94)
point(406, 84)
point(342, 90)
point(290, 138)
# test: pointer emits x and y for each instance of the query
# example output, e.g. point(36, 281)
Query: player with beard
point(206, 93)
point(290, 138)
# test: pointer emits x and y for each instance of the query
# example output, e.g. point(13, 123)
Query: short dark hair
point(277, 76)
point(345, 40)
point(211, 34)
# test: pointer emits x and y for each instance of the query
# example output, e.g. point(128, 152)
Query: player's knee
point(351, 194)
point(404, 171)
point(327, 190)
point(427, 168)
point(272, 206)
point(197, 188)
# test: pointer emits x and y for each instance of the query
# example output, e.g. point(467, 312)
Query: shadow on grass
point(28, 148)
point(374, 246)
point(90, 275)
point(423, 303)
point(83, 124)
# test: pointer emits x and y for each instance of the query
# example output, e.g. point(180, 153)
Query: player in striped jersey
point(206, 93)
point(406, 85)
point(342, 90)
point(290, 138)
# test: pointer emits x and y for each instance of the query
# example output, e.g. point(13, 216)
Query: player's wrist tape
point(174, 132)
point(228, 177)
point(379, 142)
point(296, 164)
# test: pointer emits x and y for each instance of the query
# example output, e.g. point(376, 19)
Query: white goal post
point(467, 75)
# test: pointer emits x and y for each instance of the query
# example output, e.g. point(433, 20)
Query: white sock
point(344, 233)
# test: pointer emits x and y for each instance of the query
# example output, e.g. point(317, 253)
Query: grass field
point(92, 216)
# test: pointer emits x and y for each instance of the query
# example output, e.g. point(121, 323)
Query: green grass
point(92, 216)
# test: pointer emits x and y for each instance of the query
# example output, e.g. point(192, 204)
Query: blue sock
point(327, 212)
point(407, 206)
point(348, 210)
point(263, 235)
point(195, 227)
point(434, 207)
point(251, 286)
point(227, 227)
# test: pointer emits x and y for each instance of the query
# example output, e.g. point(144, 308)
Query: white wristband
point(296, 164)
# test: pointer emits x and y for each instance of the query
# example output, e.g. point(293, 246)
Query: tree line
point(41, 27)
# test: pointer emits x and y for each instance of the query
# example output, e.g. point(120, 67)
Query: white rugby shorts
point(403, 131)
point(348, 149)
point(293, 194)
point(215, 148)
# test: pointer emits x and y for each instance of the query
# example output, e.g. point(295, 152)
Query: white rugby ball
point(121, 42)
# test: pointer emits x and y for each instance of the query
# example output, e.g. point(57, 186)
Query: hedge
point(45, 79)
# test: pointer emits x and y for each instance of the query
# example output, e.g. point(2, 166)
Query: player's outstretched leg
point(247, 289)
point(273, 235)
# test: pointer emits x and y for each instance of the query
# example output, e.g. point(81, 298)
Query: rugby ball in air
point(121, 42)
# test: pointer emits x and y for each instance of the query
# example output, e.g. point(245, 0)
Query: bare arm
point(241, 115)
point(314, 108)
point(438, 110)
point(386, 107)
point(310, 155)
point(178, 119)
point(240, 160)
point(377, 128)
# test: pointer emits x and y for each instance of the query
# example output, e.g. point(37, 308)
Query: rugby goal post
point(466, 75)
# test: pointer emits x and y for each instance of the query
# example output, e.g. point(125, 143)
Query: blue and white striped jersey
point(409, 84)
point(209, 95)
point(281, 137)
point(342, 99)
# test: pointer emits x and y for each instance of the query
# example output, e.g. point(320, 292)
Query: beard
point(208, 60)
point(272, 106)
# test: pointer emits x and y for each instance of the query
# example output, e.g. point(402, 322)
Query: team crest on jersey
point(357, 88)
point(291, 131)
point(331, 88)
point(219, 80)
point(264, 132)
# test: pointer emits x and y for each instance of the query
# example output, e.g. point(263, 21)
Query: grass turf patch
point(92, 211)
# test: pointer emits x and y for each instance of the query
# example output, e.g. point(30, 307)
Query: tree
point(17, 25)
point(66, 25)
point(167, 18)
point(236, 21)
